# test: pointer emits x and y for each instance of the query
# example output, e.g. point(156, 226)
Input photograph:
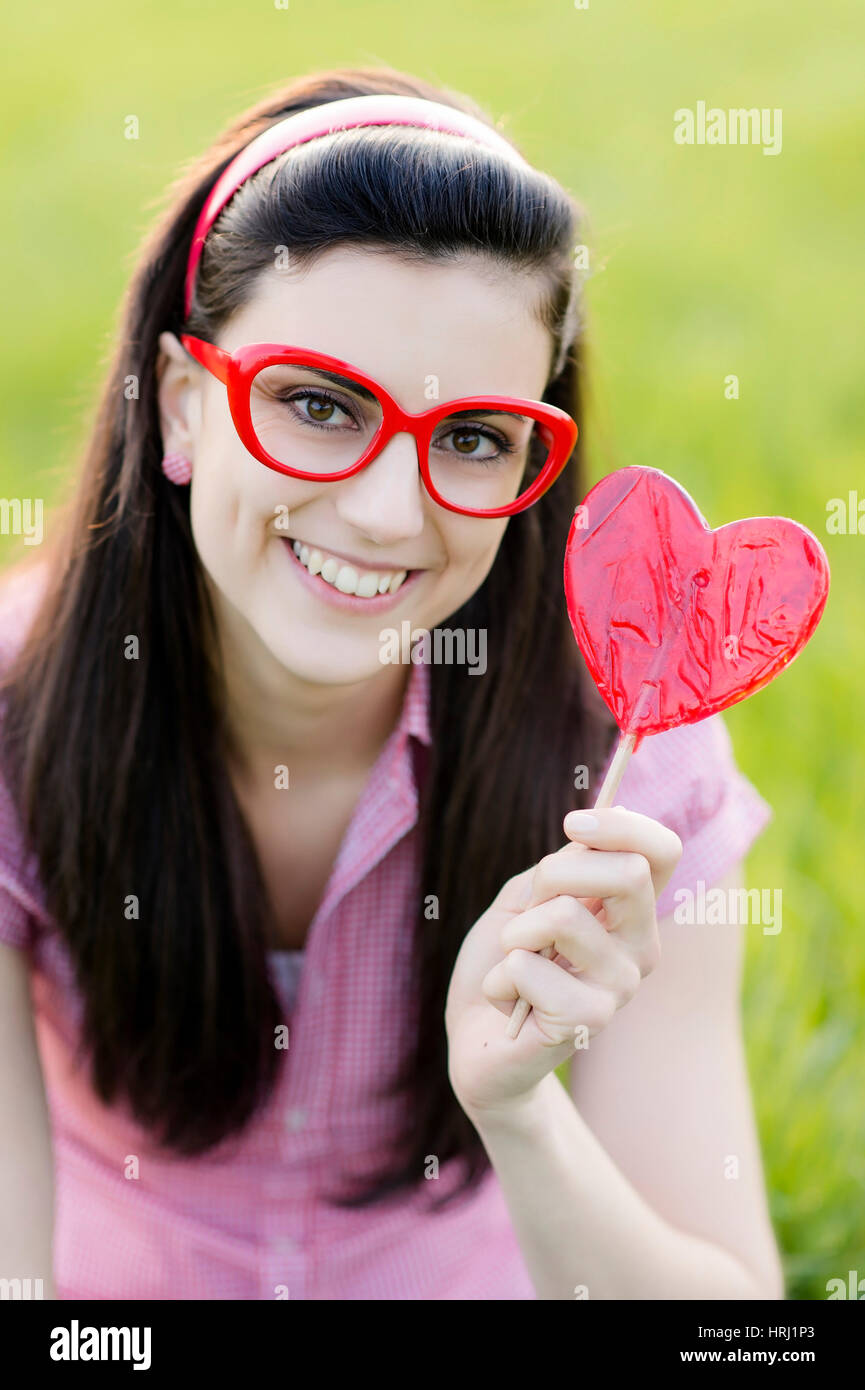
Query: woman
point(276, 892)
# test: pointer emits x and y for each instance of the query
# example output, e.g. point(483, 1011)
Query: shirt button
point(295, 1120)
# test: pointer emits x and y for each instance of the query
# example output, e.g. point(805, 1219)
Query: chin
point(324, 660)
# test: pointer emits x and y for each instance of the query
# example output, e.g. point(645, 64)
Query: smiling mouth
point(348, 578)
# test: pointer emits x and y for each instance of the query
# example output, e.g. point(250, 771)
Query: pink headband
point(324, 119)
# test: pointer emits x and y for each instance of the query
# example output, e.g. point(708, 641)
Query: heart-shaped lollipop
point(675, 621)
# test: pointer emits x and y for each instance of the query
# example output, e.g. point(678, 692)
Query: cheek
point(213, 521)
point(237, 506)
point(473, 546)
point(229, 522)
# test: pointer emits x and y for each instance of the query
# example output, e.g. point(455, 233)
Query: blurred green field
point(706, 261)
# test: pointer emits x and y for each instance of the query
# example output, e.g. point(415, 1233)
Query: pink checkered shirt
point(249, 1219)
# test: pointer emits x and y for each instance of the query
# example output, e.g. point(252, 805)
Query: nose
point(385, 500)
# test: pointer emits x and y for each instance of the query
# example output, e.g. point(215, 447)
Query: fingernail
point(581, 820)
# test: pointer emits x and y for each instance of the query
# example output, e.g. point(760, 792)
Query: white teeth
point(364, 583)
point(346, 580)
point(367, 585)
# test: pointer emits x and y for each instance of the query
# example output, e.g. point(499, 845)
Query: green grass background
point(706, 261)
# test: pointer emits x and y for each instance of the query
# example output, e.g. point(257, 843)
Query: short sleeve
point(687, 779)
point(14, 921)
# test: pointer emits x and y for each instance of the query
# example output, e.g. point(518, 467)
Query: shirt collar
point(414, 718)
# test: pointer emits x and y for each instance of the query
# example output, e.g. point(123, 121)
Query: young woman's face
point(468, 324)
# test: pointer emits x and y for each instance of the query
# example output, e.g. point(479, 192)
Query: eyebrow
point(350, 385)
point(345, 381)
point(500, 410)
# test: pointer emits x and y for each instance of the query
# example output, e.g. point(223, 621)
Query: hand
point(594, 902)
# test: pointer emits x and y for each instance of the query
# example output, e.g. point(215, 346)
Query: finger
point(561, 1003)
point(583, 944)
point(622, 881)
point(616, 828)
point(514, 894)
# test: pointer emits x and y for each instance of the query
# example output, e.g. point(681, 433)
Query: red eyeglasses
point(312, 416)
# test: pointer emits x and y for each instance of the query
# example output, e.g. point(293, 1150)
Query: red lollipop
point(675, 621)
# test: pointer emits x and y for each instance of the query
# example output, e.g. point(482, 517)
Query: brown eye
point(465, 440)
point(318, 408)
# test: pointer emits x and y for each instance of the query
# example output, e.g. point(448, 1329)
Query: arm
point(628, 1187)
point(26, 1173)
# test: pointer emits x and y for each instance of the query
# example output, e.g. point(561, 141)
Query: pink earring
point(177, 467)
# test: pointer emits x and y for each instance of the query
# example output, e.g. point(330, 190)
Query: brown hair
point(112, 761)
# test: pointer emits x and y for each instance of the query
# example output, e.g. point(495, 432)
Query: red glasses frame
point(237, 369)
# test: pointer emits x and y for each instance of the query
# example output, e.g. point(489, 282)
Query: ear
point(179, 396)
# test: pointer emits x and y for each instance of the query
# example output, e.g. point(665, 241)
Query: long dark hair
point(115, 765)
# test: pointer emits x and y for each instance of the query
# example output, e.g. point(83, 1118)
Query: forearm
point(579, 1222)
point(26, 1205)
point(26, 1163)
point(25, 1232)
